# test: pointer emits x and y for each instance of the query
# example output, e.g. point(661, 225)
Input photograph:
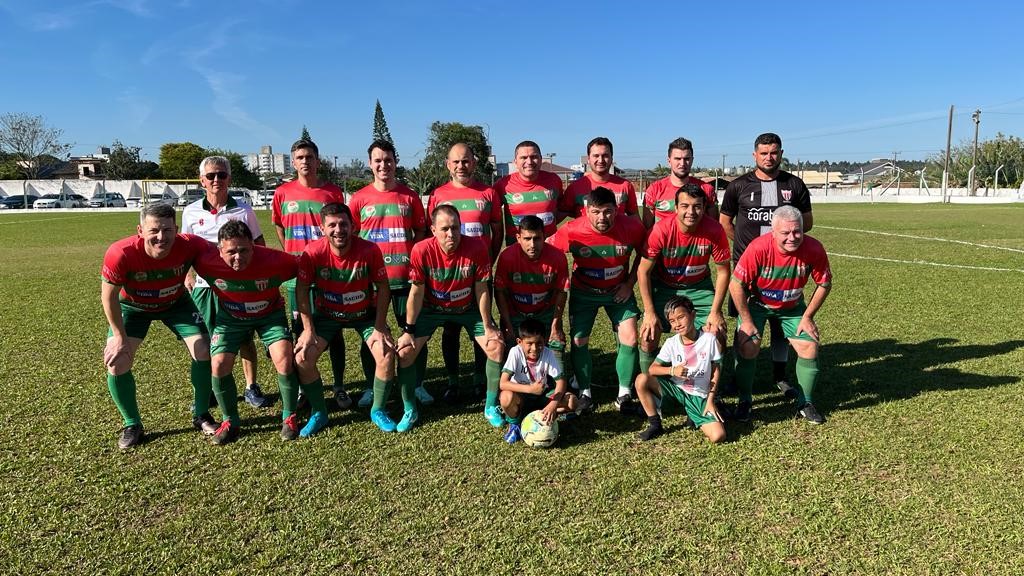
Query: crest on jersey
point(517, 277)
point(548, 194)
point(465, 271)
point(517, 198)
point(179, 270)
point(786, 195)
point(220, 283)
point(403, 209)
point(801, 270)
point(663, 205)
point(292, 206)
point(480, 205)
point(215, 338)
point(548, 277)
point(703, 249)
point(369, 211)
point(585, 251)
point(621, 250)
point(262, 283)
point(140, 276)
point(325, 273)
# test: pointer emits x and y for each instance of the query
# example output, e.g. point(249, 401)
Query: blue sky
point(838, 81)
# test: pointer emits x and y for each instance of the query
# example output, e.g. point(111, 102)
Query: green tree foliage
point(305, 134)
point(352, 185)
point(356, 168)
point(8, 167)
point(660, 171)
point(241, 176)
point(328, 172)
point(126, 164)
point(380, 128)
point(432, 171)
point(180, 160)
point(34, 146)
point(1007, 151)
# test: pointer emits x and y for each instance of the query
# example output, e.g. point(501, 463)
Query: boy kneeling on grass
point(532, 379)
point(687, 369)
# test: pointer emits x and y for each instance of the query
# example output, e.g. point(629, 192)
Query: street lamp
point(976, 117)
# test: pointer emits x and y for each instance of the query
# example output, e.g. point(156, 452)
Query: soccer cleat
point(742, 413)
point(205, 424)
point(254, 396)
point(290, 428)
point(130, 436)
point(225, 433)
point(650, 433)
point(810, 413)
point(514, 434)
point(367, 398)
point(423, 396)
point(689, 424)
point(585, 405)
point(382, 420)
point(451, 395)
point(493, 416)
point(317, 422)
point(301, 402)
point(625, 405)
point(341, 397)
point(408, 420)
point(787, 390)
point(574, 384)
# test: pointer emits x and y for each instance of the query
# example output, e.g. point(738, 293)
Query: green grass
point(916, 472)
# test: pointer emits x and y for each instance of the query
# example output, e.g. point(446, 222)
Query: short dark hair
point(531, 223)
point(157, 210)
point(601, 196)
point(767, 139)
point(447, 209)
point(526, 144)
point(531, 328)
point(678, 302)
point(693, 191)
point(234, 229)
point(600, 141)
point(680, 144)
point(335, 209)
point(383, 145)
point(303, 143)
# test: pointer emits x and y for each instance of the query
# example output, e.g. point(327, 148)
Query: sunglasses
point(211, 176)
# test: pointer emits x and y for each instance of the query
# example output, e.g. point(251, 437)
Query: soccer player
point(204, 217)
point(531, 280)
point(768, 282)
point(676, 263)
point(449, 277)
point(143, 280)
point(351, 292)
point(687, 369)
point(247, 279)
point(602, 277)
point(747, 207)
point(295, 212)
point(532, 379)
point(480, 213)
point(529, 191)
point(599, 158)
point(660, 196)
point(389, 214)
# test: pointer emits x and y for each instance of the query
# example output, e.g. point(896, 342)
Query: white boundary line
point(926, 263)
point(42, 220)
point(1018, 250)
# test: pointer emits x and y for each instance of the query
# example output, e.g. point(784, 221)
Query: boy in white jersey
point(532, 379)
point(687, 369)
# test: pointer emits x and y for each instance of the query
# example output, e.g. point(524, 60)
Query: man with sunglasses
point(204, 217)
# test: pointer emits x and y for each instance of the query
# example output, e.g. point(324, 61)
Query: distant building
point(266, 162)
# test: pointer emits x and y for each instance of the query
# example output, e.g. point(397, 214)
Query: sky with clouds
point(838, 81)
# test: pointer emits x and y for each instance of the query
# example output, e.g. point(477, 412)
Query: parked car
point(191, 195)
point(59, 201)
point(166, 198)
point(107, 200)
point(240, 196)
point(16, 202)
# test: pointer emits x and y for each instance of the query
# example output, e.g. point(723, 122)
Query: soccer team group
point(215, 284)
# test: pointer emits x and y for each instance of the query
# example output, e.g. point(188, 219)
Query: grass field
point(918, 470)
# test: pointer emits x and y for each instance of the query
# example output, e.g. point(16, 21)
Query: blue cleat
point(493, 415)
point(514, 434)
point(408, 420)
point(382, 420)
point(317, 422)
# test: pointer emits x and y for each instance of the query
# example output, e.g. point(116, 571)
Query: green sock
point(625, 360)
point(582, 364)
point(745, 377)
point(122, 390)
point(407, 382)
point(558, 349)
point(227, 397)
point(289, 395)
point(806, 376)
point(202, 385)
point(314, 391)
point(380, 393)
point(493, 371)
point(646, 359)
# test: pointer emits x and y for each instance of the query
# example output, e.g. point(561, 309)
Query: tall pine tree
point(380, 128)
point(305, 134)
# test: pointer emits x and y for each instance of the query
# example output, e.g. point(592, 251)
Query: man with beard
point(599, 158)
point(529, 191)
point(660, 196)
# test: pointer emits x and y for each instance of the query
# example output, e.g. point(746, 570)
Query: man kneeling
point(687, 369)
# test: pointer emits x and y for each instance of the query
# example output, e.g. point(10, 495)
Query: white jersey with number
point(200, 219)
point(697, 357)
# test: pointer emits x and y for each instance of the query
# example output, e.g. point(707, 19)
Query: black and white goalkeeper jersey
point(752, 202)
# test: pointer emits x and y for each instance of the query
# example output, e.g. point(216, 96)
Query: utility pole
point(899, 175)
point(945, 166)
point(723, 175)
point(976, 116)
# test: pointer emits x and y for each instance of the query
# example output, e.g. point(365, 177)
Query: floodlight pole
point(976, 116)
point(945, 166)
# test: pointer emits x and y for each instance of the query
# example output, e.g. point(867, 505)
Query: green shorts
point(701, 294)
point(790, 319)
point(231, 332)
point(181, 318)
point(693, 404)
point(545, 317)
point(206, 303)
point(583, 307)
point(328, 327)
point(431, 320)
point(399, 299)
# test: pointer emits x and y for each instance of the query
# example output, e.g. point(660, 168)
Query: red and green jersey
point(389, 219)
point(448, 279)
point(345, 284)
point(681, 258)
point(296, 209)
point(478, 206)
point(600, 261)
point(575, 198)
point(777, 280)
point(147, 283)
point(531, 284)
point(660, 196)
point(253, 292)
point(538, 198)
